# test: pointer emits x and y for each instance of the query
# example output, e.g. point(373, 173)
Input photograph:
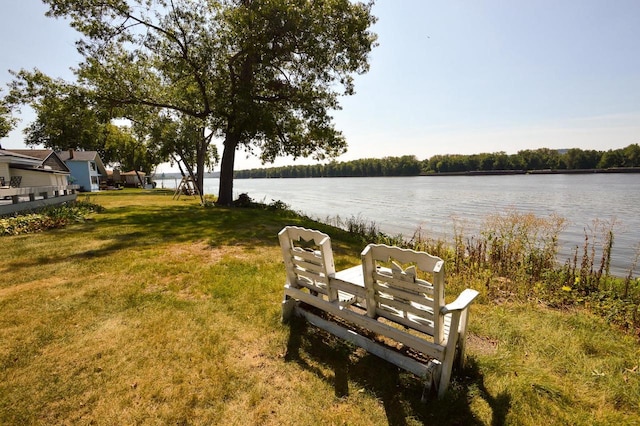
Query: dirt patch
point(202, 251)
point(481, 345)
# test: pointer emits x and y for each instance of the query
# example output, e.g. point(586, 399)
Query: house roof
point(14, 157)
point(48, 160)
point(72, 155)
point(41, 154)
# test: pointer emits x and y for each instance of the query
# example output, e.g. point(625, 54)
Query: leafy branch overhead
point(263, 75)
point(7, 121)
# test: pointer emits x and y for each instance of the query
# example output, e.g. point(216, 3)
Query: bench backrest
point(308, 258)
point(398, 288)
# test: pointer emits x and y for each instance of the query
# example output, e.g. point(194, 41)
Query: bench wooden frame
point(388, 295)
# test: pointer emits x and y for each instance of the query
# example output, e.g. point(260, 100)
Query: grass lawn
point(163, 312)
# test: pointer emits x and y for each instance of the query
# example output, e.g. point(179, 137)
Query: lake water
point(404, 204)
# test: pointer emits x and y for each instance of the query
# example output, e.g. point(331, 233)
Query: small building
point(35, 167)
point(12, 160)
point(87, 169)
point(31, 179)
point(133, 178)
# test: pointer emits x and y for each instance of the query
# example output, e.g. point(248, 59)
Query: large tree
point(263, 75)
point(7, 121)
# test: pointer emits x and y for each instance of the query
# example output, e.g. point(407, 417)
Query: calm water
point(404, 204)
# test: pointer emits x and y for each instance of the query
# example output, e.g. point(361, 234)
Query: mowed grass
point(163, 312)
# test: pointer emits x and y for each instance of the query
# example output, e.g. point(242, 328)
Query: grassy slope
point(159, 311)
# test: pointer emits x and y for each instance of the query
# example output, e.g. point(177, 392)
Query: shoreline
point(536, 172)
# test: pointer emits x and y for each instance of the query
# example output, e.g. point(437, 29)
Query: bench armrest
point(461, 303)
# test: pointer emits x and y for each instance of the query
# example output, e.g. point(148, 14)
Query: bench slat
point(400, 360)
point(421, 345)
point(416, 308)
point(303, 265)
point(419, 286)
point(310, 255)
point(402, 295)
point(346, 287)
point(311, 285)
point(417, 323)
point(417, 311)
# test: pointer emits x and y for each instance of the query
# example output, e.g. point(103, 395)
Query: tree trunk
point(139, 178)
point(200, 158)
point(225, 192)
point(177, 160)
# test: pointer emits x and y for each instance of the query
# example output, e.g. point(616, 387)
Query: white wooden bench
point(395, 293)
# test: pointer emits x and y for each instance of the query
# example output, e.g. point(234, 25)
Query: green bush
point(48, 218)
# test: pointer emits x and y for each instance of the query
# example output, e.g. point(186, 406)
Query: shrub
point(48, 217)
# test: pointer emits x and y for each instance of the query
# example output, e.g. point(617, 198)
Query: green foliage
point(539, 159)
point(48, 218)
point(131, 152)
point(407, 165)
point(66, 114)
point(7, 121)
point(70, 116)
point(521, 245)
point(245, 201)
point(261, 74)
point(185, 141)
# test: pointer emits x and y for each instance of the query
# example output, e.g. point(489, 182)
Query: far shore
point(536, 172)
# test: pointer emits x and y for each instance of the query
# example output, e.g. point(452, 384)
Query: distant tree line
point(539, 159)
point(409, 165)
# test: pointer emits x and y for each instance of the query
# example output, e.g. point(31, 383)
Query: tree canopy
point(65, 115)
point(7, 121)
point(537, 159)
point(263, 75)
point(406, 165)
point(68, 117)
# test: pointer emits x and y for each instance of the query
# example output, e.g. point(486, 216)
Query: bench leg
point(288, 304)
point(462, 340)
point(432, 380)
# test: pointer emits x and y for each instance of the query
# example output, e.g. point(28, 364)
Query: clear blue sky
point(449, 77)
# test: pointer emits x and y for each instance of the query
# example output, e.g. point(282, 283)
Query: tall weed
point(515, 257)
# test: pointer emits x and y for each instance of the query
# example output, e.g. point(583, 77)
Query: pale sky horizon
point(454, 77)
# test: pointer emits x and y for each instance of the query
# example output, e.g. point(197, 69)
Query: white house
point(11, 160)
point(31, 179)
point(33, 167)
point(86, 169)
